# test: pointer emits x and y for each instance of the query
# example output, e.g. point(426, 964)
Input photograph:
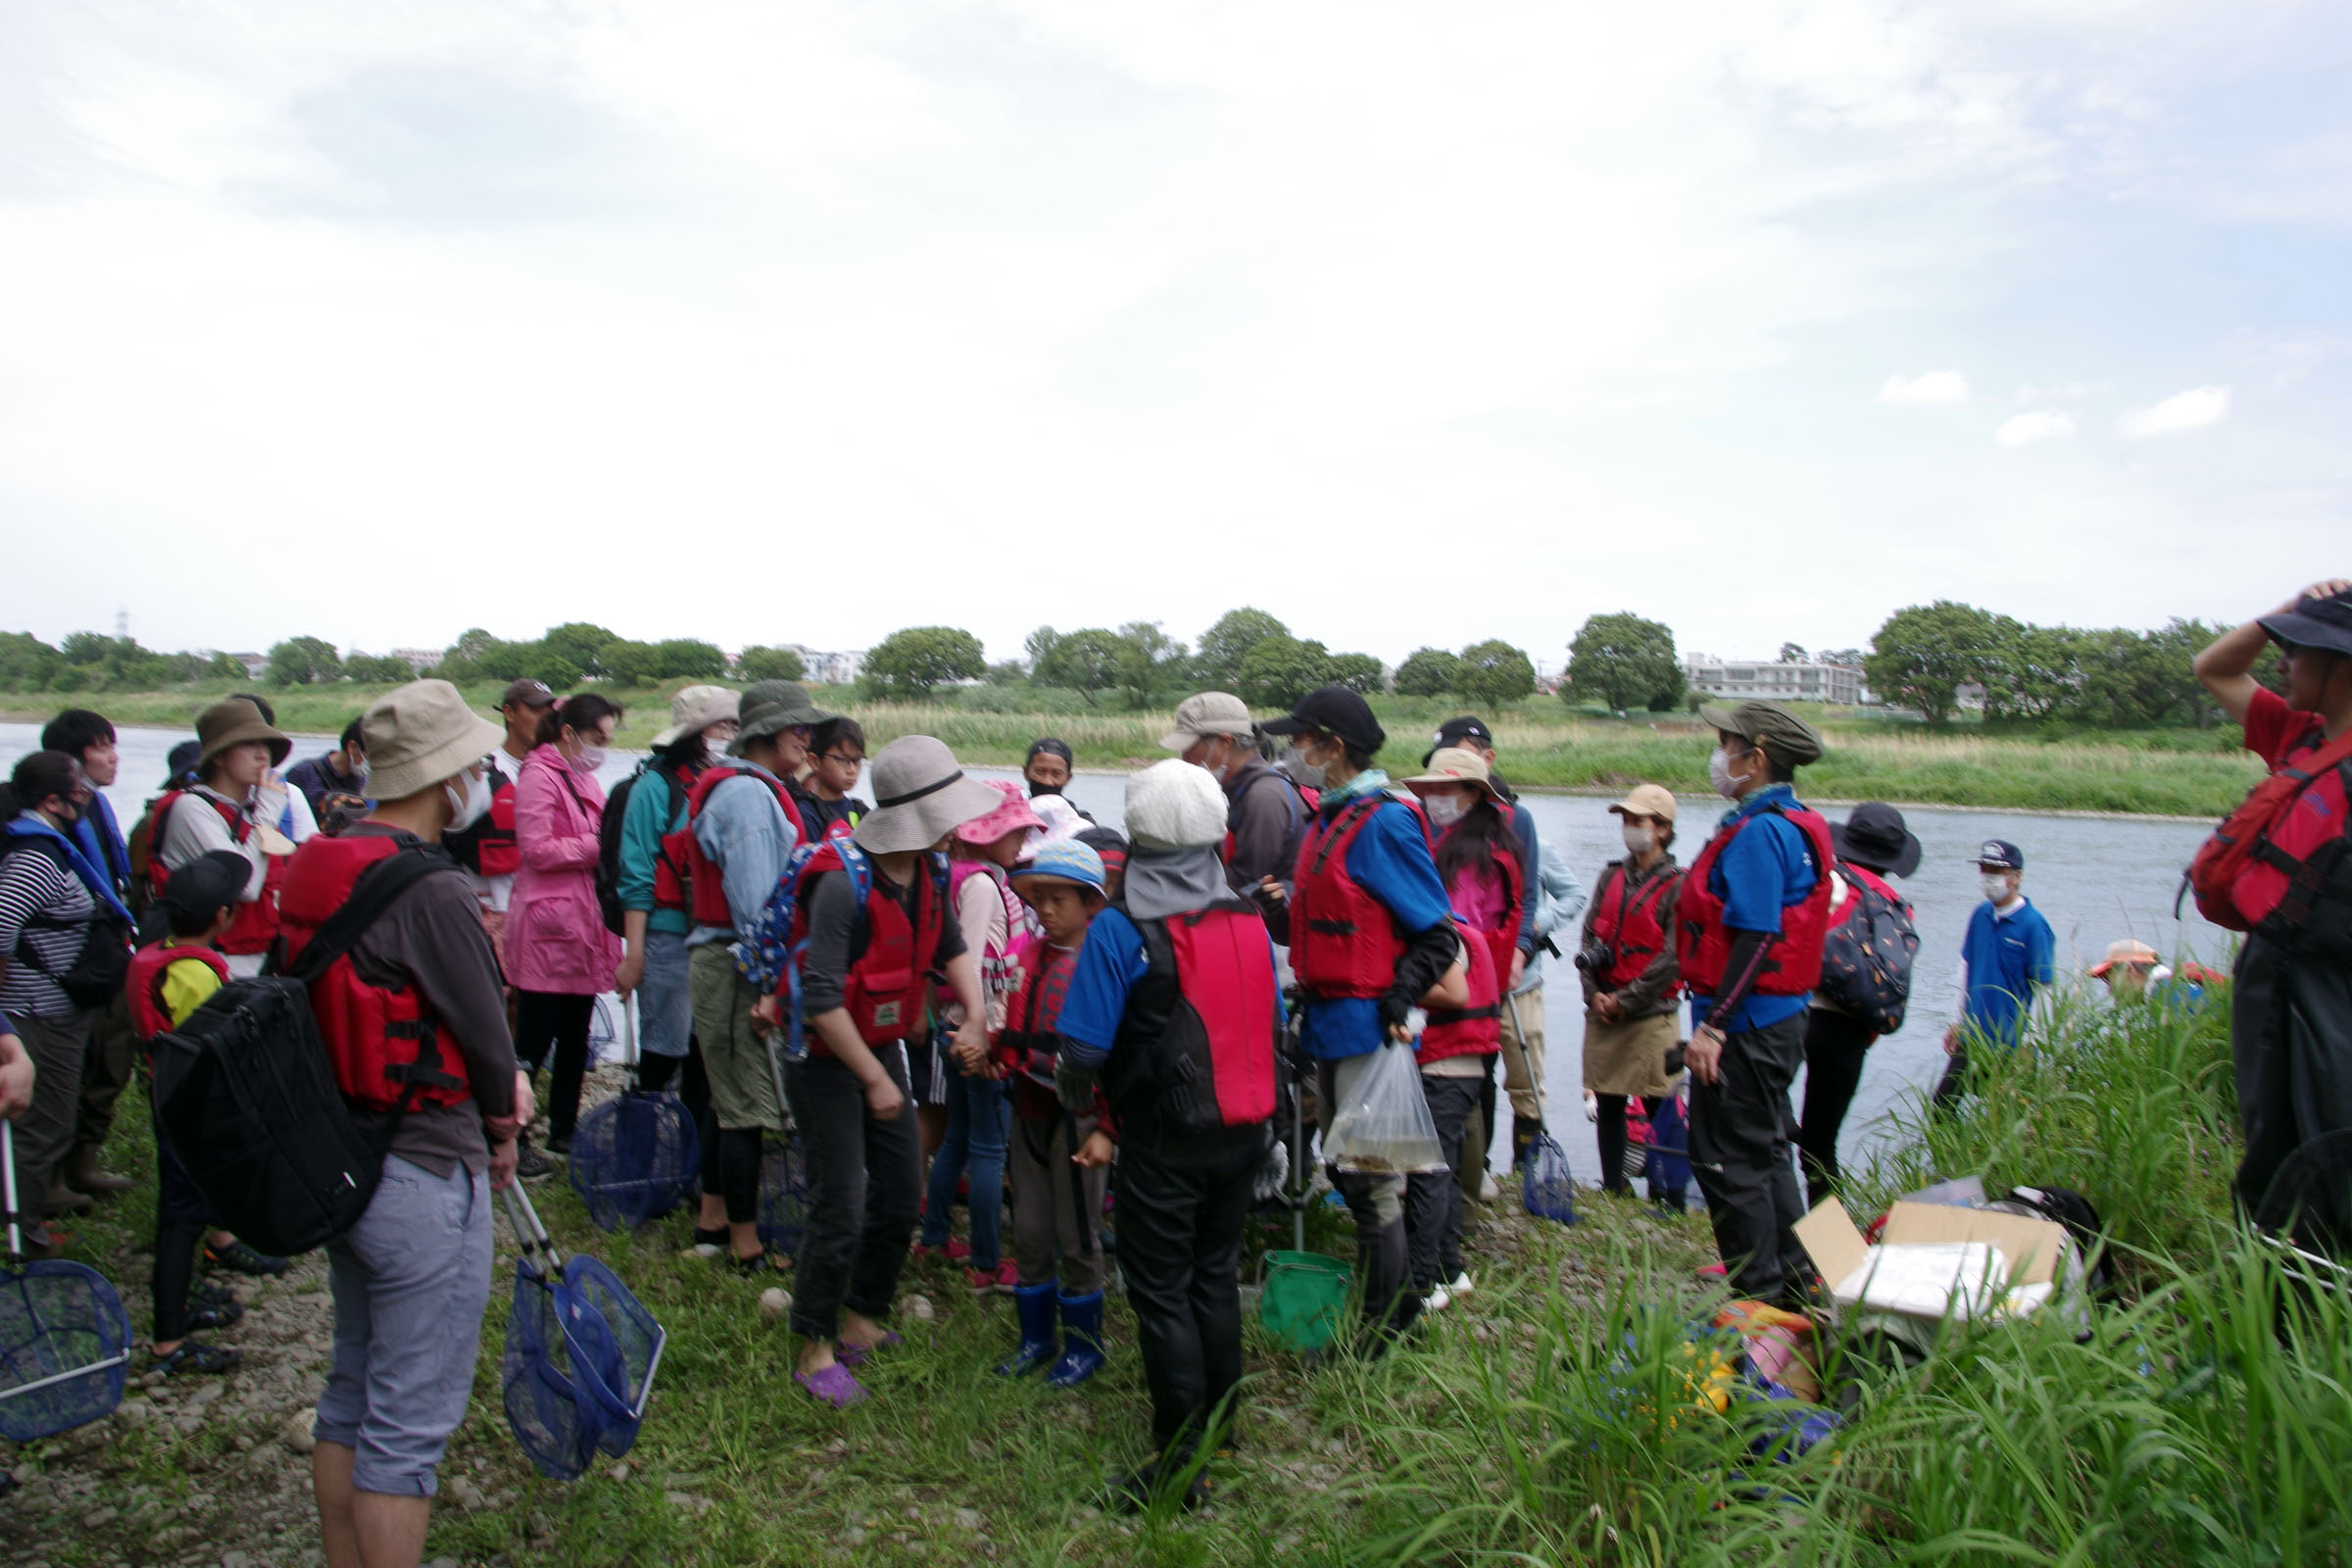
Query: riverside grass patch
point(1541, 743)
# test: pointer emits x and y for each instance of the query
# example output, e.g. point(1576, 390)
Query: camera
point(1596, 957)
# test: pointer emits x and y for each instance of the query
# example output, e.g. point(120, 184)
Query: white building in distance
point(831, 668)
point(1740, 679)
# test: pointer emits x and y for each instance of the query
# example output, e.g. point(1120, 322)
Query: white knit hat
point(1175, 805)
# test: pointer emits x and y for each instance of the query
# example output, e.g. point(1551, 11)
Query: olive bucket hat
point(232, 721)
point(1785, 738)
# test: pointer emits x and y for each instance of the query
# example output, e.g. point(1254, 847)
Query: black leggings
point(556, 1020)
point(1835, 1046)
point(1614, 1137)
point(694, 1092)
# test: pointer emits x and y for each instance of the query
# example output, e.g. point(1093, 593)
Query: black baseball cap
point(208, 884)
point(1335, 711)
point(1872, 834)
point(1454, 731)
point(2001, 856)
point(2314, 622)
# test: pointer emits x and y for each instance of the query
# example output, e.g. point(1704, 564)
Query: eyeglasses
point(845, 758)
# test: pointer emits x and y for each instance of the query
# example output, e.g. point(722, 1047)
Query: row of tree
point(88, 661)
point(2104, 677)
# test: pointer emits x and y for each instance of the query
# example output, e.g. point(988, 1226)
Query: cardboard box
point(1931, 1260)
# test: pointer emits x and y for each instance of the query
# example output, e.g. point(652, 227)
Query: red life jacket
point(883, 991)
point(669, 855)
point(1343, 940)
point(1475, 1028)
point(384, 1044)
point(706, 893)
point(2267, 860)
point(1028, 1044)
point(144, 984)
point(256, 924)
point(1502, 938)
point(495, 847)
point(1792, 961)
point(1196, 1047)
point(1632, 929)
point(1869, 879)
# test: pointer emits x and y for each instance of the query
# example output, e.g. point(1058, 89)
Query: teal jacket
point(653, 810)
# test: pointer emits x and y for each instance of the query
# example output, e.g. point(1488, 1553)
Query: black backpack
point(607, 842)
point(244, 1092)
point(1866, 959)
point(95, 976)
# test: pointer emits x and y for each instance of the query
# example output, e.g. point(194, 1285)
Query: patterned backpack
point(1866, 961)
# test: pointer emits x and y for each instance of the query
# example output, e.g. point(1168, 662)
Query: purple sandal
point(855, 1354)
point(832, 1385)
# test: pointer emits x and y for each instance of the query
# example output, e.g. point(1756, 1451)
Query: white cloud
point(1937, 386)
point(2044, 424)
point(2192, 409)
point(2060, 392)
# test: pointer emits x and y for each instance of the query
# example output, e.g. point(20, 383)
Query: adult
point(559, 953)
point(656, 922)
point(1522, 1023)
point(2290, 1010)
point(1265, 816)
point(2008, 953)
point(1632, 974)
point(1176, 1005)
point(1873, 844)
point(836, 758)
point(486, 848)
point(16, 1072)
point(1749, 927)
point(411, 1279)
point(228, 808)
point(51, 899)
point(996, 927)
point(741, 827)
point(338, 777)
point(1047, 766)
point(1371, 933)
point(90, 737)
point(861, 990)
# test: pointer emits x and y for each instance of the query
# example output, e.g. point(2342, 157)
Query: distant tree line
point(2103, 677)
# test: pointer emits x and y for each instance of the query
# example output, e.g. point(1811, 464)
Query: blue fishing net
point(783, 1196)
point(634, 1158)
point(1546, 1188)
point(580, 1356)
point(65, 1343)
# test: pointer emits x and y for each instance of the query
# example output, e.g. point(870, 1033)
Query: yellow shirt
point(186, 984)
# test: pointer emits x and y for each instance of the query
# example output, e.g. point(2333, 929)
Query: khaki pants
point(1523, 1057)
point(735, 1054)
point(111, 1049)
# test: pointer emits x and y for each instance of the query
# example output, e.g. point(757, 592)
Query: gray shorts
point(410, 1282)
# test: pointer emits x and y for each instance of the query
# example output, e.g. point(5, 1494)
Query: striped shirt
point(35, 887)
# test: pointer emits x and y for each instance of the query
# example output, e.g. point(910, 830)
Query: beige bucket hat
point(421, 734)
point(695, 709)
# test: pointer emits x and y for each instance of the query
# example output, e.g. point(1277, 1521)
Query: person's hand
point(2324, 588)
point(769, 1011)
point(1094, 1153)
point(970, 1048)
point(16, 1078)
point(1606, 1007)
point(1704, 1054)
point(883, 1101)
point(503, 1155)
point(526, 1104)
point(1271, 890)
point(630, 975)
point(1518, 968)
point(1951, 1040)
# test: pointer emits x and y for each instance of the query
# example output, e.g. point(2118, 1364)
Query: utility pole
point(122, 623)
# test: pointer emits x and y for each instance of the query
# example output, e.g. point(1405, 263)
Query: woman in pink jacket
point(559, 952)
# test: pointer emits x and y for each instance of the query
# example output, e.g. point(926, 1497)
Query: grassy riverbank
point(2186, 774)
point(1546, 1418)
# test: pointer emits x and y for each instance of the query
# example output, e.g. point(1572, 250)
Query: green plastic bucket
point(1303, 1297)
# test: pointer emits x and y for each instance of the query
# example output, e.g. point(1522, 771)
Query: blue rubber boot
point(1082, 1344)
point(1035, 1304)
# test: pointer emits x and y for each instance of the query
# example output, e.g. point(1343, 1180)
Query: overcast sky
point(1417, 323)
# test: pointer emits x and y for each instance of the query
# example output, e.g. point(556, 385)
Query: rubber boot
point(1524, 1132)
point(83, 1173)
point(1034, 1304)
point(1082, 1341)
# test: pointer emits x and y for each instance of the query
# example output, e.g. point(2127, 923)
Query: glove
point(1074, 1086)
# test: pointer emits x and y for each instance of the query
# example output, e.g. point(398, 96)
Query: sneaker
point(1437, 1300)
point(215, 1315)
point(1460, 1284)
point(954, 1252)
point(559, 1145)
point(205, 1293)
point(1487, 1192)
point(1711, 1272)
point(530, 1165)
point(239, 1258)
point(194, 1359)
point(1002, 1279)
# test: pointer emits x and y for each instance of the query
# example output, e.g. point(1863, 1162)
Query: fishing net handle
point(8, 1186)
point(538, 1248)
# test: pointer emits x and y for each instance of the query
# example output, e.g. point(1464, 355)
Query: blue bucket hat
point(1064, 860)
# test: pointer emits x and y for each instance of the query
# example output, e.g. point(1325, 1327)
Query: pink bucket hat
point(1011, 816)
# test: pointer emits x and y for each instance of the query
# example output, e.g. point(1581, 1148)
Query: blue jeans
point(976, 1109)
point(664, 999)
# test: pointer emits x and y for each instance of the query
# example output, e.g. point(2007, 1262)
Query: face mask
point(592, 758)
point(469, 801)
point(1995, 885)
point(1303, 774)
point(1638, 837)
point(1036, 790)
point(1719, 774)
point(1444, 809)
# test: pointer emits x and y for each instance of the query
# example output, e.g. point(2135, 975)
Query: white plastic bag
point(1383, 1126)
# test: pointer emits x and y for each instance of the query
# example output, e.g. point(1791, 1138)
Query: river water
point(2095, 879)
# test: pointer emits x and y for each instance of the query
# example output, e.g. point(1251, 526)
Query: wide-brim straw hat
point(920, 796)
point(696, 708)
point(232, 721)
point(1455, 764)
point(419, 735)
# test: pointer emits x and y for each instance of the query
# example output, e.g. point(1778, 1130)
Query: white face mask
point(1305, 774)
point(1995, 885)
point(1719, 774)
point(469, 801)
point(1444, 809)
point(592, 758)
point(1638, 837)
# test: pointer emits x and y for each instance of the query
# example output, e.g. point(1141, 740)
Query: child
point(168, 981)
point(1110, 843)
point(1054, 1200)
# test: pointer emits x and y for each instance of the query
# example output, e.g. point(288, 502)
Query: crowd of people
point(977, 996)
